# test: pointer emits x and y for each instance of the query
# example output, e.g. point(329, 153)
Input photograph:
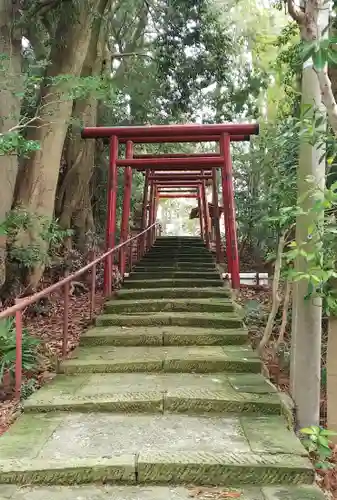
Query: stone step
point(160, 257)
point(194, 319)
point(159, 273)
point(168, 359)
point(202, 252)
point(75, 448)
point(137, 492)
point(173, 283)
point(163, 335)
point(172, 293)
point(158, 393)
point(185, 267)
point(167, 305)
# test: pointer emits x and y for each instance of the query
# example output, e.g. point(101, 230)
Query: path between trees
point(163, 400)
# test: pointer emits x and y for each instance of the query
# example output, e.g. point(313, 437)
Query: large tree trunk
point(10, 85)
point(74, 198)
point(307, 314)
point(37, 187)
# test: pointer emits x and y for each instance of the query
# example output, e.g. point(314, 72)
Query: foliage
point(8, 349)
point(317, 443)
point(27, 255)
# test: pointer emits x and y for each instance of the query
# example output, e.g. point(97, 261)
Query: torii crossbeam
point(176, 170)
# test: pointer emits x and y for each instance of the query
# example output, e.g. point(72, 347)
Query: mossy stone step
point(104, 492)
point(157, 393)
point(160, 257)
point(173, 283)
point(176, 267)
point(163, 335)
point(170, 359)
point(198, 319)
point(166, 305)
point(161, 274)
point(75, 448)
point(172, 293)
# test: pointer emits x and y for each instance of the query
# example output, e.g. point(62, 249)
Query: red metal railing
point(144, 240)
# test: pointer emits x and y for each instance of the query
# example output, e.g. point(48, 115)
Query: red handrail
point(21, 304)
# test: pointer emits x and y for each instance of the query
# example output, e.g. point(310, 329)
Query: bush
point(8, 349)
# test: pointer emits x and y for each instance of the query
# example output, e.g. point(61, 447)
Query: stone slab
point(199, 359)
point(163, 335)
point(227, 468)
point(82, 436)
point(243, 382)
point(143, 392)
point(269, 434)
point(172, 283)
point(107, 492)
point(116, 469)
point(161, 293)
point(194, 319)
point(166, 305)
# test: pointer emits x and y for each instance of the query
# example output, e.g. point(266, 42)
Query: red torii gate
point(175, 170)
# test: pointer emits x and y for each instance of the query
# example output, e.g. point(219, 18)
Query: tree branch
point(295, 12)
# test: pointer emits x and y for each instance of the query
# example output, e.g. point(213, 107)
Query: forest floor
point(46, 324)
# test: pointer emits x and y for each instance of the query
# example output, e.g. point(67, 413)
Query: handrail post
point(92, 296)
point(18, 352)
point(66, 291)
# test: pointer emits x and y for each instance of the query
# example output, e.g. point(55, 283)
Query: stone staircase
point(163, 397)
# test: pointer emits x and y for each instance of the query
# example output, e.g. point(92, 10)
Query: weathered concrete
point(173, 283)
point(170, 393)
point(174, 305)
point(165, 318)
point(172, 293)
point(163, 335)
point(161, 448)
point(95, 492)
point(199, 359)
point(153, 393)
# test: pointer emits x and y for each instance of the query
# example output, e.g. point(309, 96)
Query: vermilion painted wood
point(111, 211)
point(219, 256)
point(145, 210)
point(161, 196)
point(176, 155)
point(201, 220)
point(206, 215)
point(211, 161)
point(182, 178)
point(181, 139)
point(235, 277)
point(131, 132)
point(126, 207)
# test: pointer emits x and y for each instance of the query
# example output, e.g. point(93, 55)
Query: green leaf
point(308, 430)
point(326, 432)
point(319, 58)
point(308, 48)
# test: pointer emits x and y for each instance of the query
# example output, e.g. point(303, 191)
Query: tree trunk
point(332, 376)
point(307, 314)
point(74, 198)
point(11, 83)
point(37, 187)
